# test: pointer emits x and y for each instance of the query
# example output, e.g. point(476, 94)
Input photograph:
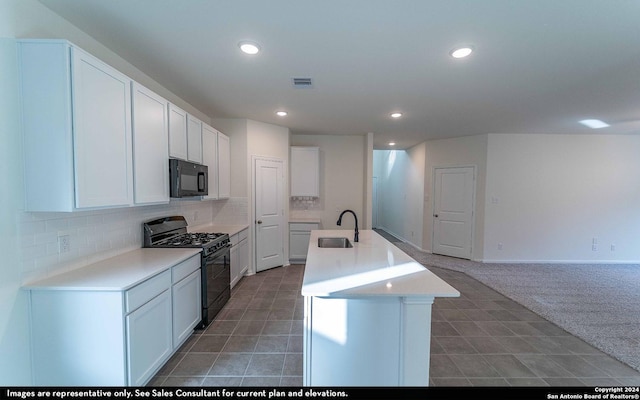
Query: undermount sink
point(334, 242)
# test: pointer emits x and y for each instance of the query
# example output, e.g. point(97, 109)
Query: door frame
point(252, 212)
point(473, 203)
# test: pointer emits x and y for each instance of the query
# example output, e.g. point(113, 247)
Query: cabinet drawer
point(185, 268)
point(147, 290)
point(307, 227)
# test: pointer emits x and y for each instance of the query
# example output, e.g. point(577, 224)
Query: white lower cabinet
point(239, 256)
point(149, 338)
point(299, 234)
point(187, 295)
point(90, 337)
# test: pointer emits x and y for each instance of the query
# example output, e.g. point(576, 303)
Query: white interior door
point(269, 211)
point(454, 194)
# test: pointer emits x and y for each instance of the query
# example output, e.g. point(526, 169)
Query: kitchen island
point(367, 313)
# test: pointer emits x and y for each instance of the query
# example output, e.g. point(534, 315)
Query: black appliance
point(172, 231)
point(187, 179)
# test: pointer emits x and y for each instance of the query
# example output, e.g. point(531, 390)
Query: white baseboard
point(516, 261)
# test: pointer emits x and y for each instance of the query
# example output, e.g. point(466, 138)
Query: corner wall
point(28, 241)
point(342, 180)
point(400, 175)
point(462, 151)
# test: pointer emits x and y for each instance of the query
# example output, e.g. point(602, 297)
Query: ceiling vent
point(302, 83)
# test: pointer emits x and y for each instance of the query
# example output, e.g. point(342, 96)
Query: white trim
point(590, 262)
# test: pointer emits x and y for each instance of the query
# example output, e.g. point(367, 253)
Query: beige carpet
point(599, 303)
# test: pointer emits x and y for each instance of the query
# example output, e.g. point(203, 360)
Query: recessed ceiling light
point(594, 123)
point(281, 113)
point(249, 47)
point(461, 52)
point(392, 143)
point(396, 115)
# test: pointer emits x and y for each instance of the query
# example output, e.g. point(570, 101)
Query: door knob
point(259, 221)
point(435, 215)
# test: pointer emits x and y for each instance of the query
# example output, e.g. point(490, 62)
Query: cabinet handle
point(259, 222)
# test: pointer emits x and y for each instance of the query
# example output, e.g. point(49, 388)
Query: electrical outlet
point(499, 246)
point(613, 247)
point(64, 244)
point(594, 247)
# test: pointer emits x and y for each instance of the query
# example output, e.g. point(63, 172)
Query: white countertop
point(304, 220)
point(372, 267)
point(218, 228)
point(116, 273)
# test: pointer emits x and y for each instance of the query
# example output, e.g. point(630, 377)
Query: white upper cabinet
point(150, 147)
point(194, 139)
point(77, 129)
point(177, 132)
point(224, 166)
point(210, 159)
point(185, 135)
point(305, 171)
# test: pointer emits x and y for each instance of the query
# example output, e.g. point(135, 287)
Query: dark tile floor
point(481, 338)
point(484, 338)
point(256, 340)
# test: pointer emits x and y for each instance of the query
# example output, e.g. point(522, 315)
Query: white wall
point(462, 151)
point(342, 175)
point(253, 138)
point(14, 328)
point(549, 196)
point(401, 180)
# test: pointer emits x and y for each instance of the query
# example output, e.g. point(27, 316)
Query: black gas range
point(171, 232)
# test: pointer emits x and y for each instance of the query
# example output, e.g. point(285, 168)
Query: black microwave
point(187, 179)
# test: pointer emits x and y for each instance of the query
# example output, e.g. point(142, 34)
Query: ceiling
point(538, 66)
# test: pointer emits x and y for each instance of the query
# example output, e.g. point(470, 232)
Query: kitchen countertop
point(304, 220)
point(219, 228)
point(372, 267)
point(117, 273)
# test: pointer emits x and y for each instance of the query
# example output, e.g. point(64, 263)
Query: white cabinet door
point(177, 132)
point(194, 139)
point(239, 256)
point(210, 158)
point(224, 166)
point(243, 257)
point(299, 234)
point(102, 133)
point(305, 171)
point(76, 114)
point(149, 338)
point(235, 260)
point(298, 245)
point(150, 147)
point(187, 307)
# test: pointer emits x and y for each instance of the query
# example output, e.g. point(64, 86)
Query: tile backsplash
point(96, 235)
point(300, 203)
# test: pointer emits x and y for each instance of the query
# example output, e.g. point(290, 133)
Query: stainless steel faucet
point(339, 223)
